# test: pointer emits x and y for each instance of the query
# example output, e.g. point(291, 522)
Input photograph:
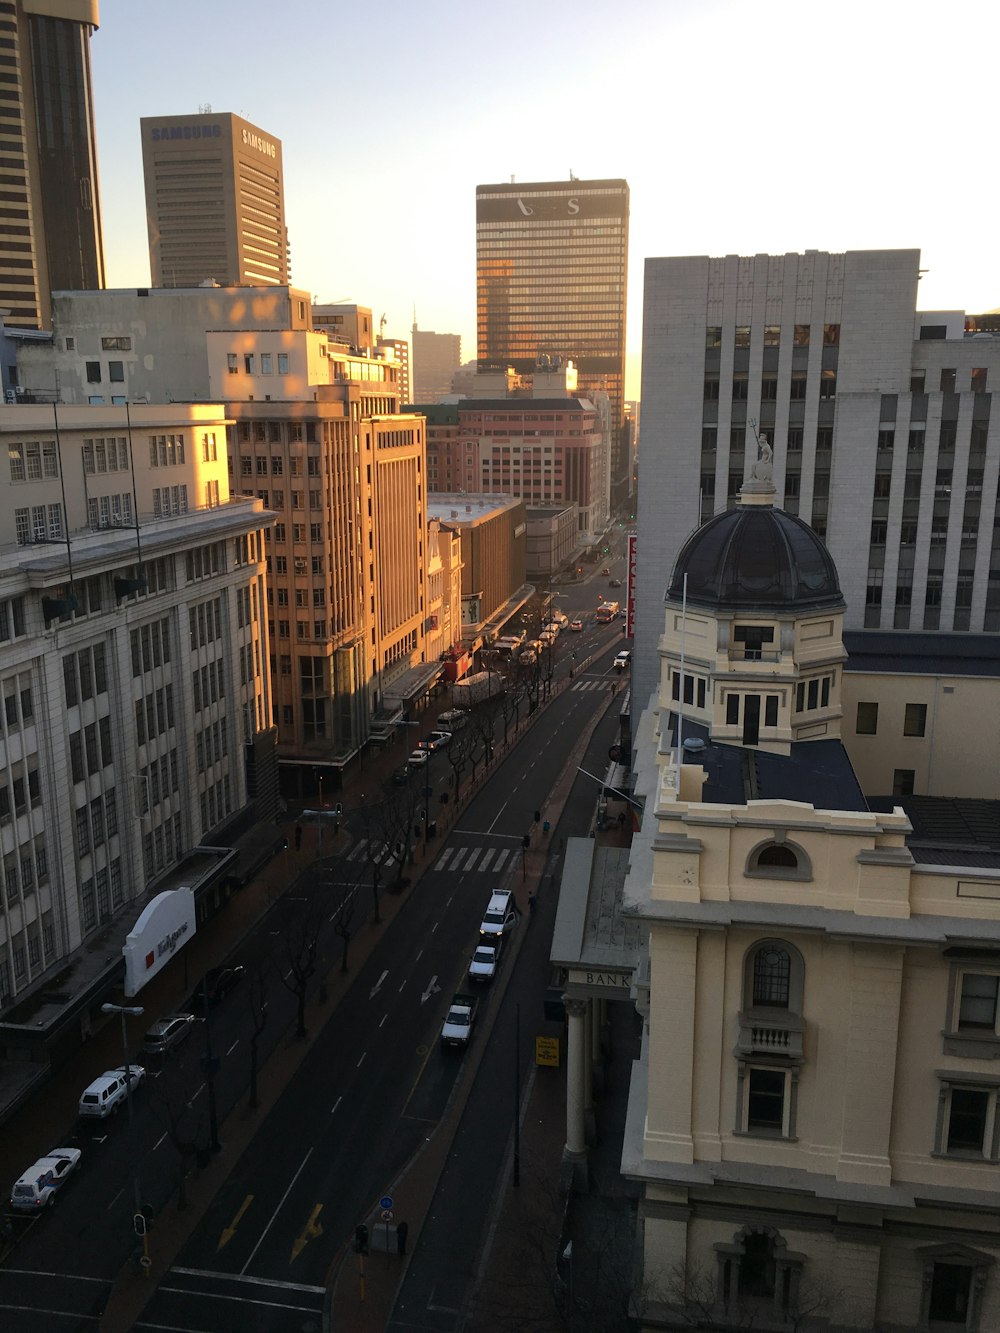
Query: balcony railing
point(770, 1032)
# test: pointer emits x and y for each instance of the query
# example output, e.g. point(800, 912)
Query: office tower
point(551, 273)
point(879, 418)
point(398, 349)
point(51, 237)
point(215, 202)
point(436, 357)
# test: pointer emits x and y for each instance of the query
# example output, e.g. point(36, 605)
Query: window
point(969, 1120)
point(116, 372)
point(265, 363)
point(93, 372)
point(915, 720)
point(977, 1008)
point(282, 363)
point(828, 384)
point(740, 388)
point(771, 976)
point(867, 720)
point(232, 363)
point(947, 381)
point(248, 362)
point(713, 337)
point(902, 781)
point(711, 388)
point(765, 1106)
point(778, 859)
point(732, 709)
point(979, 378)
point(798, 389)
point(831, 335)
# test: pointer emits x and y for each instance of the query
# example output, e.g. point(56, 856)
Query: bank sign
point(165, 926)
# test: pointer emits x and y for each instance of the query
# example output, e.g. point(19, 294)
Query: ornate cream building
point(814, 1116)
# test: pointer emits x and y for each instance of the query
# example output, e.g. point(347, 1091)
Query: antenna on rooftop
point(204, 108)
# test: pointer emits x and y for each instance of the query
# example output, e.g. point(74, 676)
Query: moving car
point(220, 981)
point(437, 740)
point(605, 570)
point(485, 961)
point(37, 1187)
point(501, 916)
point(103, 1097)
point(614, 583)
point(576, 625)
point(454, 719)
point(167, 1032)
point(623, 660)
point(418, 758)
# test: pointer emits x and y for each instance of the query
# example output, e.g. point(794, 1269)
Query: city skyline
point(807, 171)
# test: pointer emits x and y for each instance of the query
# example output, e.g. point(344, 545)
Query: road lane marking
point(443, 859)
point(432, 989)
point(384, 1017)
point(474, 857)
point(401, 987)
point(361, 1061)
point(311, 1231)
point(501, 858)
point(242, 1277)
point(274, 1215)
point(498, 814)
point(434, 927)
point(233, 1047)
point(159, 1140)
point(484, 864)
point(230, 1231)
point(336, 1104)
point(57, 1314)
point(378, 986)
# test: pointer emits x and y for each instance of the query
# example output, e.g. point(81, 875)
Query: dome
point(757, 558)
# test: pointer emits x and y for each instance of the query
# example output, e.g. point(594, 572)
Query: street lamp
point(133, 1011)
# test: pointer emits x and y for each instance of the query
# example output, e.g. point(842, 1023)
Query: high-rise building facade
point(436, 357)
point(551, 277)
point(215, 202)
point(51, 236)
point(878, 415)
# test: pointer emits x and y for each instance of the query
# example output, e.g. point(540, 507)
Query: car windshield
point(484, 956)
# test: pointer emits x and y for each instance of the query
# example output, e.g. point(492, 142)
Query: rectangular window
point(732, 709)
point(771, 710)
point(948, 381)
point(867, 720)
point(978, 1006)
point(902, 781)
point(979, 378)
point(798, 389)
point(801, 338)
point(970, 1116)
point(813, 693)
point(766, 1101)
point(93, 372)
point(282, 363)
point(915, 720)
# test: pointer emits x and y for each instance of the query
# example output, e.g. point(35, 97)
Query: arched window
point(772, 969)
point(759, 1275)
point(778, 859)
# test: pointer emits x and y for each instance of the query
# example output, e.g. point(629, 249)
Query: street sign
point(386, 1201)
point(387, 1214)
point(547, 1051)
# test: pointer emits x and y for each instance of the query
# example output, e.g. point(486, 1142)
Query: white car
point(623, 660)
point(418, 758)
point(454, 719)
point(38, 1186)
point(104, 1096)
point(485, 961)
point(437, 740)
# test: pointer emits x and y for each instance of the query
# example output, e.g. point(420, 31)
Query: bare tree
point(257, 993)
point(172, 1103)
point(342, 923)
point(299, 941)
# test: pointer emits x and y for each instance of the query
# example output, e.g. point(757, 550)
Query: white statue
point(762, 470)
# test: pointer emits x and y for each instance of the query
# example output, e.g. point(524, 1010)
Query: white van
point(38, 1186)
point(104, 1096)
point(501, 914)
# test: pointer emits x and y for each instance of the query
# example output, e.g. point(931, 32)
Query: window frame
point(860, 730)
point(801, 871)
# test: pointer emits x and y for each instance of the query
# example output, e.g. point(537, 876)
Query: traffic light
point(338, 809)
point(139, 1224)
point(526, 840)
point(361, 1239)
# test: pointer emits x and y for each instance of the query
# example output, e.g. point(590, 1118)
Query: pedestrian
point(532, 904)
point(401, 1233)
point(546, 826)
point(621, 818)
point(538, 816)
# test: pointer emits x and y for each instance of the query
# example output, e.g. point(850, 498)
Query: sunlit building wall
point(551, 277)
point(436, 358)
point(215, 201)
point(52, 216)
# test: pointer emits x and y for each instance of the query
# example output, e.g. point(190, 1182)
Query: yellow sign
point(547, 1051)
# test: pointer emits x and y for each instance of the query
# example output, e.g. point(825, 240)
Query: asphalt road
point(367, 1094)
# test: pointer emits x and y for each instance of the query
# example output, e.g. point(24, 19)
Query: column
point(575, 1073)
point(589, 1020)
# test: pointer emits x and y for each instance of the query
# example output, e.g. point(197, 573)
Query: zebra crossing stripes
point(478, 859)
point(600, 684)
point(382, 856)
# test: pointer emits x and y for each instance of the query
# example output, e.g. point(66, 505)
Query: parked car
point(167, 1032)
point(220, 981)
point(418, 758)
point(454, 719)
point(576, 625)
point(528, 657)
point(437, 740)
point(401, 774)
point(103, 1097)
point(623, 660)
point(39, 1184)
point(614, 583)
point(485, 961)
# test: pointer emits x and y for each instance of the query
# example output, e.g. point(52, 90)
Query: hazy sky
point(740, 128)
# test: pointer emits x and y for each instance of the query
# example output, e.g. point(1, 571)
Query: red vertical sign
point(630, 599)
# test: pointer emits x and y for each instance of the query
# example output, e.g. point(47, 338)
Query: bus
point(606, 612)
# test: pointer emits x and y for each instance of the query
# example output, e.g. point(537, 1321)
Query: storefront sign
point(613, 978)
point(166, 925)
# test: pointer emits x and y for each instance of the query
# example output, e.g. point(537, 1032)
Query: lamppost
point(133, 1011)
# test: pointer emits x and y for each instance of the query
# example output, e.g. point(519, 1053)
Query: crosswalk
point(379, 853)
point(599, 683)
point(480, 859)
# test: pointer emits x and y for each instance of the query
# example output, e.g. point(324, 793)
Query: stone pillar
point(589, 1020)
point(576, 1143)
point(867, 1080)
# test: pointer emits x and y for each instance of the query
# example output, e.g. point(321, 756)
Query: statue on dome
point(762, 470)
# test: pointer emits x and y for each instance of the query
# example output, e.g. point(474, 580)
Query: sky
point(741, 129)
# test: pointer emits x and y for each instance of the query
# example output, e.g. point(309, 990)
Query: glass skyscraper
point(551, 271)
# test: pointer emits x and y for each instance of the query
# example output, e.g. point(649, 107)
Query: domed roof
point(758, 558)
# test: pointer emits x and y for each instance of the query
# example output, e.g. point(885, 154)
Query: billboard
point(166, 924)
point(630, 594)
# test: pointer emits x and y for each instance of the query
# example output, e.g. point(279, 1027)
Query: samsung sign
point(260, 143)
point(161, 133)
point(166, 925)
